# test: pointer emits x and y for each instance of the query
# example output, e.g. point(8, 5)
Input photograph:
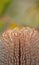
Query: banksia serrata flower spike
point(19, 47)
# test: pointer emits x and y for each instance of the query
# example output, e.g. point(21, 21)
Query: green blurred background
point(19, 13)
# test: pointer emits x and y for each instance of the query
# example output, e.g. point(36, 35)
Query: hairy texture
point(19, 47)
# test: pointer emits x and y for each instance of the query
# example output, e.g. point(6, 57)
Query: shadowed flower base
point(19, 47)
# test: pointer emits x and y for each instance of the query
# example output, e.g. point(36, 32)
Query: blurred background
point(19, 13)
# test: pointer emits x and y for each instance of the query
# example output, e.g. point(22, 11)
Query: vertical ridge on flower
point(21, 47)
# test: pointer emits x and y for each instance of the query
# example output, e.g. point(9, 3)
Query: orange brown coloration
point(21, 47)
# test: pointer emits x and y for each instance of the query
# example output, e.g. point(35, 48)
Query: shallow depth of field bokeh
point(19, 13)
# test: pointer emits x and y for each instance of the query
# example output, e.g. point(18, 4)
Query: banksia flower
point(19, 47)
